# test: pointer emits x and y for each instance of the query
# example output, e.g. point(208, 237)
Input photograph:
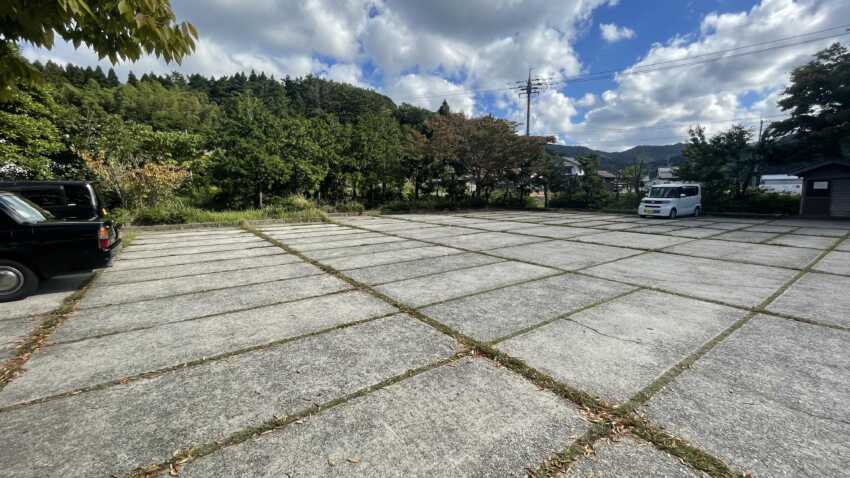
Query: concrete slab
point(816, 296)
point(178, 230)
point(130, 254)
point(331, 239)
point(142, 235)
point(365, 241)
point(303, 229)
point(746, 236)
point(770, 228)
point(389, 257)
point(616, 349)
point(110, 276)
point(120, 428)
point(821, 231)
point(367, 249)
point(500, 225)
point(744, 285)
point(65, 367)
point(128, 264)
point(696, 232)
point(112, 294)
point(107, 320)
point(396, 226)
point(436, 232)
point(796, 240)
point(12, 333)
point(177, 239)
point(736, 220)
point(554, 232)
point(619, 226)
point(336, 234)
point(836, 262)
point(473, 419)
point(843, 246)
point(812, 223)
point(450, 285)
point(498, 313)
point(564, 255)
point(771, 400)
point(594, 223)
point(727, 225)
point(691, 222)
point(49, 297)
point(230, 239)
point(387, 273)
point(633, 240)
point(764, 254)
point(662, 229)
point(629, 458)
point(487, 240)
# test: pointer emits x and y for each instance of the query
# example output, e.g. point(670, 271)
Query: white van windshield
point(22, 210)
point(665, 192)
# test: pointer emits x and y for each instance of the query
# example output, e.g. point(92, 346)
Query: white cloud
point(658, 107)
point(345, 73)
point(429, 91)
point(612, 33)
point(423, 52)
point(586, 101)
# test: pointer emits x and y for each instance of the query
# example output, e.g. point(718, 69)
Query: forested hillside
point(251, 140)
point(652, 156)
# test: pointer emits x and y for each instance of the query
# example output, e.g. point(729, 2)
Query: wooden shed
point(826, 189)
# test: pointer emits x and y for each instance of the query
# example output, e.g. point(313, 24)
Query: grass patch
point(175, 214)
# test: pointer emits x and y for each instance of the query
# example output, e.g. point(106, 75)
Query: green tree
point(29, 138)
point(818, 100)
point(376, 150)
point(247, 162)
point(724, 164)
point(122, 29)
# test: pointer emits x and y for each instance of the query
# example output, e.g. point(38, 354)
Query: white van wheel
point(697, 212)
point(673, 213)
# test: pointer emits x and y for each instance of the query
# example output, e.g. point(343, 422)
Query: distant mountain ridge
point(653, 156)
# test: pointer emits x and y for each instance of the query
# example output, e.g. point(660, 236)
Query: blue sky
point(422, 52)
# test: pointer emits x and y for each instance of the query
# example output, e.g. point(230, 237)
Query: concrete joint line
point(189, 364)
point(192, 319)
point(200, 291)
point(48, 323)
point(186, 455)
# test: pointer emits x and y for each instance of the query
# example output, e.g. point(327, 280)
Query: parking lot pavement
point(481, 343)
point(19, 319)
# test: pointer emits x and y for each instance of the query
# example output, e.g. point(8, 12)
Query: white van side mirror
point(682, 195)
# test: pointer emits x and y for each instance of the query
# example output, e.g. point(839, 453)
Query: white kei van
point(672, 200)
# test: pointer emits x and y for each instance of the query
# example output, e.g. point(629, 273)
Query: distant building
point(826, 189)
point(572, 166)
point(781, 183)
point(667, 174)
point(609, 178)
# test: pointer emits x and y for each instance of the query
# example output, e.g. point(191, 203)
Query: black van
point(70, 200)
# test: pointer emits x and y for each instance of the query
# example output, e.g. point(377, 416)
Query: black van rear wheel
point(17, 281)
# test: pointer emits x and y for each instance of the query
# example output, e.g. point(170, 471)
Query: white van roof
point(674, 185)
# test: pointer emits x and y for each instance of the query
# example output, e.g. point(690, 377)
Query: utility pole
point(528, 88)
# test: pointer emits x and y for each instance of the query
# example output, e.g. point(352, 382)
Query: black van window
point(45, 197)
point(691, 191)
point(78, 194)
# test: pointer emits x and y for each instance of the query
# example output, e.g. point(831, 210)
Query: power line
point(643, 70)
point(671, 64)
point(728, 50)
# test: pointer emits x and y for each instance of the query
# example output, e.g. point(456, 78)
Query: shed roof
point(807, 169)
